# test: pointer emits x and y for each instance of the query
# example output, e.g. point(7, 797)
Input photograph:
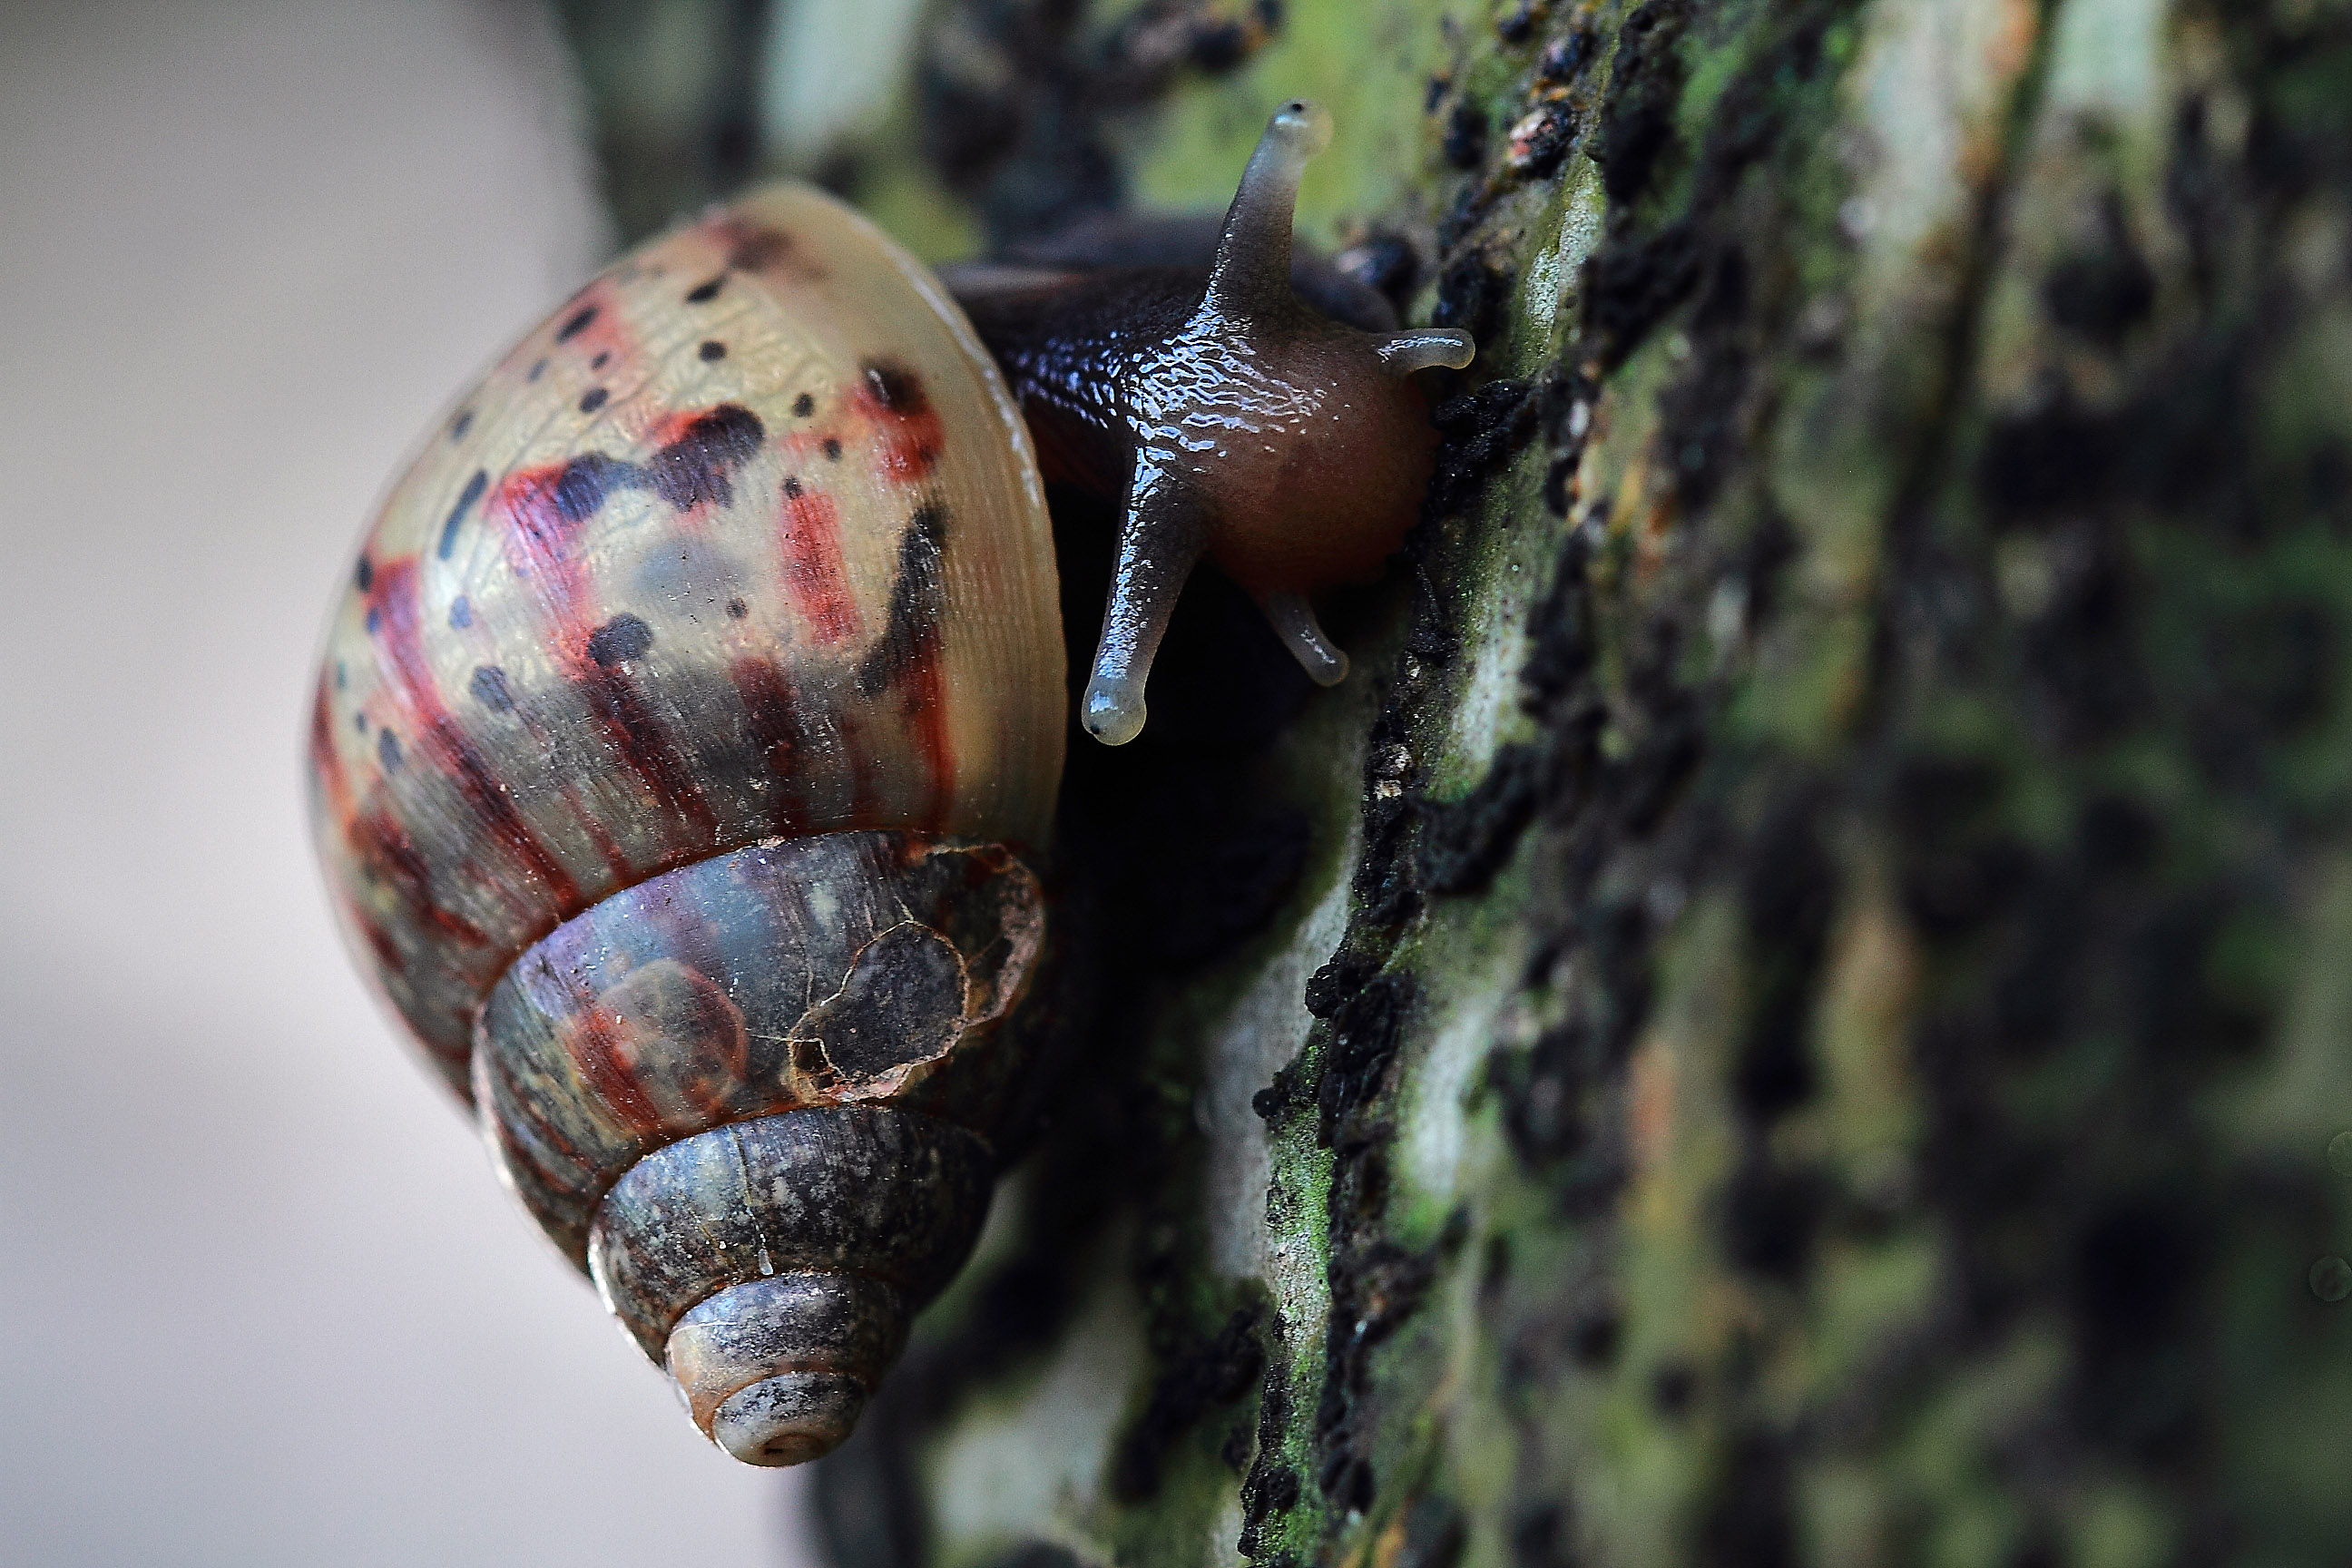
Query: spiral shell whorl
point(772, 1264)
point(755, 1098)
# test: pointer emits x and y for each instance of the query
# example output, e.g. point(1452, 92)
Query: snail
point(686, 744)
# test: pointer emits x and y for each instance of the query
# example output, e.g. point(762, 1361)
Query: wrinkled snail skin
point(1240, 424)
point(686, 740)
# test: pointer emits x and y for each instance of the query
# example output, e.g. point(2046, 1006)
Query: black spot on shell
point(461, 612)
point(604, 358)
point(374, 620)
point(918, 599)
point(465, 499)
point(793, 487)
point(803, 405)
point(387, 751)
point(577, 324)
point(702, 293)
point(712, 349)
point(538, 369)
point(737, 609)
point(359, 722)
point(362, 574)
point(593, 399)
point(460, 424)
point(489, 689)
point(832, 450)
point(342, 679)
point(894, 387)
point(694, 468)
point(619, 641)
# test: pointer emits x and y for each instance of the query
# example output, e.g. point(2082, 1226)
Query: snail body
point(686, 745)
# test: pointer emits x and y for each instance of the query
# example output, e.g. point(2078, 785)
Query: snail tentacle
point(1293, 619)
point(1160, 540)
point(1252, 273)
point(1402, 353)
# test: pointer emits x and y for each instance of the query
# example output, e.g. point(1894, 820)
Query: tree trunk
point(1796, 1007)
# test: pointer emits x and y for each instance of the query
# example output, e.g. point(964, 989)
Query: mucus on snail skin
point(1238, 423)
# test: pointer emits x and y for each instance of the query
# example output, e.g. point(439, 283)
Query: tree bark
point(1796, 1007)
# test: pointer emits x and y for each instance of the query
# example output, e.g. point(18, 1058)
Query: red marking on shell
point(814, 573)
point(772, 705)
point(439, 737)
point(547, 507)
point(667, 1080)
point(326, 763)
point(389, 856)
point(643, 744)
point(925, 689)
point(908, 434)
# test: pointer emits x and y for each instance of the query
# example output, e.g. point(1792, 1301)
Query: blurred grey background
point(261, 1300)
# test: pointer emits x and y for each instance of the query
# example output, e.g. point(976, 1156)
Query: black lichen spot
point(461, 612)
point(712, 349)
point(577, 324)
point(1465, 145)
point(460, 424)
point(489, 689)
point(619, 641)
point(603, 357)
point(475, 486)
point(737, 609)
point(703, 293)
point(1637, 114)
point(1197, 1380)
point(593, 399)
point(2104, 291)
point(387, 751)
point(894, 387)
point(832, 450)
point(803, 405)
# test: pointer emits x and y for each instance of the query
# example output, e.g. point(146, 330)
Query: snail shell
point(678, 755)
